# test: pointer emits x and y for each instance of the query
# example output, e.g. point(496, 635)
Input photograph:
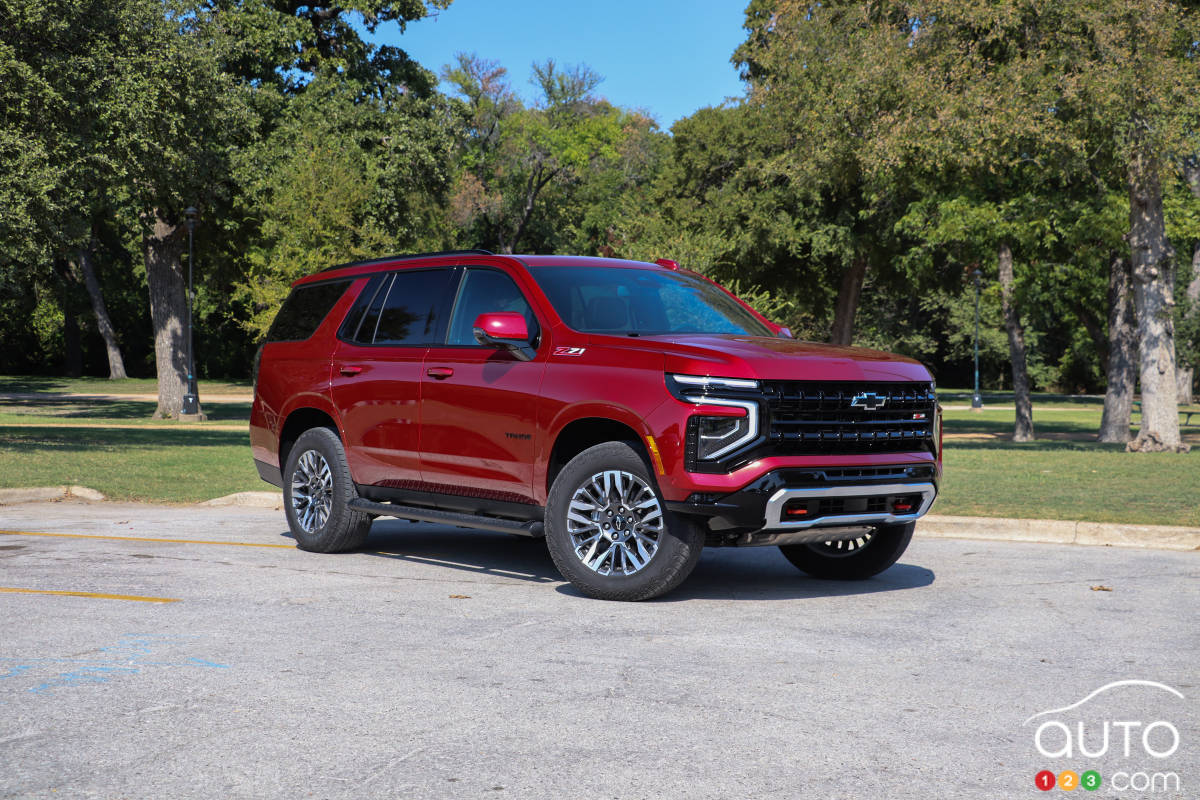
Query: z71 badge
point(569, 351)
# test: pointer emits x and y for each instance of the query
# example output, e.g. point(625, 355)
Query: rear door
point(376, 375)
point(479, 404)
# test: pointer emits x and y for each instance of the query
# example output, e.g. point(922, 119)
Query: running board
point(533, 529)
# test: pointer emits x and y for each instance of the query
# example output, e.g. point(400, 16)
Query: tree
point(339, 179)
point(827, 79)
point(57, 139)
point(513, 156)
point(1134, 68)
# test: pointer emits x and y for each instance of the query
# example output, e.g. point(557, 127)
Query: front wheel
point(609, 531)
point(316, 488)
point(853, 559)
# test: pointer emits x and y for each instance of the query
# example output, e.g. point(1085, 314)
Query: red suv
point(630, 413)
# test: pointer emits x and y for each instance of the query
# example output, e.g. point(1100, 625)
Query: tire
point(316, 488)
point(853, 560)
point(656, 549)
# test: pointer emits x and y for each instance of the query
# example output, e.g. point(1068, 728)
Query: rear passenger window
point(405, 309)
point(304, 310)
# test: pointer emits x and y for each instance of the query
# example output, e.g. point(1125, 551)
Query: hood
point(769, 358)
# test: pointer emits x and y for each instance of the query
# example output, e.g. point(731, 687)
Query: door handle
point(349, 371)
point(440, 373)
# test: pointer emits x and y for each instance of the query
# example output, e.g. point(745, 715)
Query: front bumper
point(809, 504)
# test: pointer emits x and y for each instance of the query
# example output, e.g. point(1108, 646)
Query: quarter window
point(304, 310)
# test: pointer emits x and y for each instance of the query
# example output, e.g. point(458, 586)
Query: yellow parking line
point(143, 539)
point(138, 598)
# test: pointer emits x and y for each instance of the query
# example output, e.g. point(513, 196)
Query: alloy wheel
point(615, 522)
point(312, 491)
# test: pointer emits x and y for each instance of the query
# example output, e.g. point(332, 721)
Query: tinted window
point(616, 300)
point(484, 291)
point(304, 310)
point(411, 311)
point(367, 297)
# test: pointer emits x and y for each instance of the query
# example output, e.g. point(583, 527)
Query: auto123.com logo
point(1119, 738)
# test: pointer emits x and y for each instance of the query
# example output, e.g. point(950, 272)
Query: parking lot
point(154, 651)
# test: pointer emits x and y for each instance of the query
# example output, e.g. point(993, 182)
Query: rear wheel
point(853, 559)
point(609, 531)
point(316, 488)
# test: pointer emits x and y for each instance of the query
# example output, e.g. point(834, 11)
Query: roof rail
point(403, 257)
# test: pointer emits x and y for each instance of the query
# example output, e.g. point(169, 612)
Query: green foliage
point(525, 170)
point(912, 137)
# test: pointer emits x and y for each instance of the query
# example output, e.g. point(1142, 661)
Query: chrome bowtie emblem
point(869, 401)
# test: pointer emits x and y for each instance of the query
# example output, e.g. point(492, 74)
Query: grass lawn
point(112, 412)
point(1064, 476)
point(25, 384)
point(173, 466)
point(1070, 480)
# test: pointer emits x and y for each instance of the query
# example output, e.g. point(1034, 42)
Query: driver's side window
point(483, 291)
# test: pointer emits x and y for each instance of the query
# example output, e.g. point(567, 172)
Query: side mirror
point(505, 329)
point(786, 333)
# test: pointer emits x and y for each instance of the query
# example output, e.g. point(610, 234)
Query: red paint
point(479, 420)
point(503, 325)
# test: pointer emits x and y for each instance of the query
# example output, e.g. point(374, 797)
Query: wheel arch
point(297, 422)
point(584, 432)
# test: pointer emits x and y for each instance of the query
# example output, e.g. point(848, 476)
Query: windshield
point(641, 301)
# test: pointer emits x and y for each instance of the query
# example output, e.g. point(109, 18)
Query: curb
point(271, 500)
point(1057, 531)
point(1034, 531)
point(37, 494)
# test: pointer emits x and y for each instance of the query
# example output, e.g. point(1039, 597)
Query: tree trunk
point(116, 365)
point(168, 311)
point(1151, 255)
point(1023, 426)
point(1183, 385)
point(1122, 355)
point(847, 303)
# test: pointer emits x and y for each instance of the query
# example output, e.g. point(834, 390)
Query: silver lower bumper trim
point(774, 513)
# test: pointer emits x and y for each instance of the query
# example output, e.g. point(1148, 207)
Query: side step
point(534, 529)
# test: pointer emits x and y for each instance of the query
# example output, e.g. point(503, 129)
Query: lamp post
point(191, 400)
point(976, 400)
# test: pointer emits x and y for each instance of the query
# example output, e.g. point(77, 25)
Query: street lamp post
point(976, 399)
point(191, 400)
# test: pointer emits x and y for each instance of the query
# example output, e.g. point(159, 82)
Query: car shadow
point(762, 573)
point(756, 573)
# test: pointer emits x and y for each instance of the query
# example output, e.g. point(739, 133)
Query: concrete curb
point(37, 494)
point(1057, 531)
point(1040, 531)
point(272, 500)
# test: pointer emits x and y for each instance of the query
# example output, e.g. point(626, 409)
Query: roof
point(356, 268)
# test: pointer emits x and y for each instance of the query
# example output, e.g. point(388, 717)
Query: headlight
point(710, 437)
point(707, 383)
point(716, 436)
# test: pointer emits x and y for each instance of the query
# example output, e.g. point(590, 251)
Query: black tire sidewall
point(678, 548)
point(344, 529)
point(885, 548)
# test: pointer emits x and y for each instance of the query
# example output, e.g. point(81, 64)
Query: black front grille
point(818, 417)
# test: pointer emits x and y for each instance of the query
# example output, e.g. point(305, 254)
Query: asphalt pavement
point(179, 652)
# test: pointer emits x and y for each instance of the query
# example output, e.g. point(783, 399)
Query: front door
point(479, 404)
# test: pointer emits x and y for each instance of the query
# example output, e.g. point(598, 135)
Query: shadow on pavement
point(760, 573)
